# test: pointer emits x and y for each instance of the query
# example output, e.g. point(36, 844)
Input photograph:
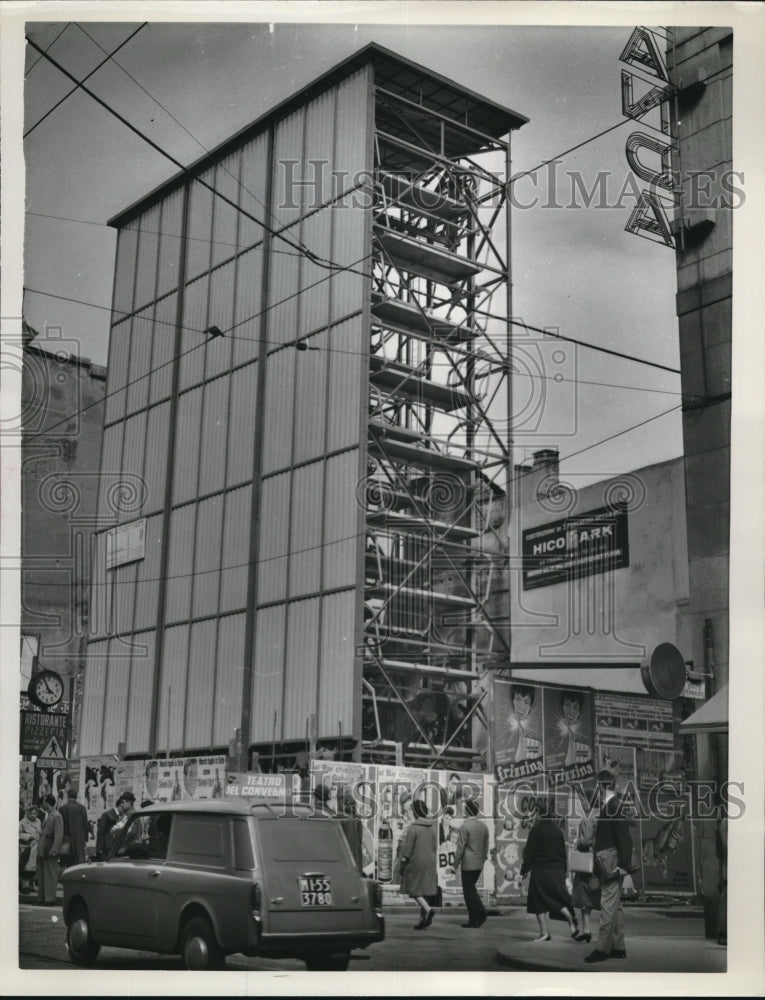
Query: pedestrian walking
point(29, 837)
point(470, 856)
point(48, 848)
point(613, 854)
point(418, 863)
point(75, 817)
point(544, 857)
point(586, 887)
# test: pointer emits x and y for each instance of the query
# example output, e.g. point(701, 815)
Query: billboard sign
point(595, 542)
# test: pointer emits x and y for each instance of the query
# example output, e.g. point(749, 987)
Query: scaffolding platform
point(426, 259)
point(403, 382)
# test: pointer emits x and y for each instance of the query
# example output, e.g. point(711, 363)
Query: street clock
point(46, 689)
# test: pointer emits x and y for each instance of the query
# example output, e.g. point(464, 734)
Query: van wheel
point(328, 963)
point(82, 949)
point(200, 950)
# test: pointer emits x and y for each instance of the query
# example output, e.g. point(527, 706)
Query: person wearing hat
point(612, 832)
point(109, 819)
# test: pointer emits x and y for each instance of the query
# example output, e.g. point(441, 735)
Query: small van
point(207, 879)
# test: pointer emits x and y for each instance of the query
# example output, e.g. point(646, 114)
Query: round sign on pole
point(664, 675)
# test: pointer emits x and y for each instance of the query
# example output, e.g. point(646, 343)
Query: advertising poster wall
point(455, 788)
point(568, 735)
point(514, 808)
point(173, 780)
point(26, 784)
point(102, 781)
point(352, 787)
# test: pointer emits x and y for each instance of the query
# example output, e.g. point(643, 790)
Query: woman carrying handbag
point(586, 886)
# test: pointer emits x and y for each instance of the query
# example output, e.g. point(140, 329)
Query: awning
point(712, 717)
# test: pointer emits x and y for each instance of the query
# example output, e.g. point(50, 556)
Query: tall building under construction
point(306, 423)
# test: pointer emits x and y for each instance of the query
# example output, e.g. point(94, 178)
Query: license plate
point(314, 890)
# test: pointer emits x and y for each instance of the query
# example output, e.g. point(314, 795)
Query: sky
point(191, 86)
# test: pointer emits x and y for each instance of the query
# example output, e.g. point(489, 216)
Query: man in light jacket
point(470, 855)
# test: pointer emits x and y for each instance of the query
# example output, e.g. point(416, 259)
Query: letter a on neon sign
point(641, 50)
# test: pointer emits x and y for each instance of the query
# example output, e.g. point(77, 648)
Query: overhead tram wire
point(314, 258)
point(79, 85)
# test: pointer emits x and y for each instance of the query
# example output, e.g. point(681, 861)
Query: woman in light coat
point(29, 835)
point(418, 863)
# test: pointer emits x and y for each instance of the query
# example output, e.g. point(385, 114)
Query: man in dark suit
point(612, 832)
point(75, 817)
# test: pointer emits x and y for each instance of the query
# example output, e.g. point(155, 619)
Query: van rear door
point(311, 882)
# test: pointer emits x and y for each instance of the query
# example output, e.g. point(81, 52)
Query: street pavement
point(658, 940)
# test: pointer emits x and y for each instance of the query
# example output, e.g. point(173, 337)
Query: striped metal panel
point(212, 445)
point(300, 678)
point(288, 168)
point(277, 444)
point(148, 573)
point(221, 314)
point(317, 162)
point(119, 353)
point(226, 217)
point(349, 250)
point(227, 708)
point(142, 332)
point(187, 433)
point(148, 252)
point(352, 127)
point(123, 597)
point(132, 491)
point(207, 557)
point(163, 348)
point(193, 339)
point(267, 678)
point(127, 248)
point(111, 461)
point(180, 563)
point(252, 190)
point(155, 462)
point(172, 688)
point(116, 694)
point(306, 521)
point(99, 611)
point(274, 528)
point(235, 550)
point(336, 680)
point(241, 427)
point(340, 541)
point(283, 289)
point(310, 398)
point(140, 693)
point(91, 718)
point(200, 684)
point(346, 388)
point(199, 233)
point(246, 327)
point(315, 280)
point(168, 265)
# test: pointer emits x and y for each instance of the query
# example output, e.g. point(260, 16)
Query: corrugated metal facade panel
point(252, 193)
point(352, 126)
point(317, 162)
point(341, 543)
point(267, 674)
point(119, 352)
point(201, 678)
point(345, 384)
point(111, 462)
point(310, 398)
point(155, 464)
point(207, 557)
point(226, 217)
point(148, 252)
point(127, 248)
point(288, 168)
point(149, 572)
point(165, 320)
point(244, 393)
point(116, 695)
point(274, 527)
point(277, 443)
point(349, 249)
point(246, 329)
point(140, 694)
point(132, 467)
point(123, 597)
point(91, 718)
point(305, 543)
point(179, 563)
point(313, 303)
point(219, 349)
point(193, 340)
point(212, 455)
point(336, 688)
point(227, 710)
point(300, 681)
point(236, 546)
point(140, 360)
point(200, 225)
point(170, 242)
point(283, 288)
point(187, 433)
point(172, 688)
point(99, 611)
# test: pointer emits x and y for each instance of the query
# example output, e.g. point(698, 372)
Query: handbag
point(580, 861)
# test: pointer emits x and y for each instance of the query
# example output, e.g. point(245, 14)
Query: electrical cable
point(37, 60)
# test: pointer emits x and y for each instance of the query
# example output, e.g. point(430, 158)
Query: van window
point(199, 840)
point(292, 839)
point(243, 856)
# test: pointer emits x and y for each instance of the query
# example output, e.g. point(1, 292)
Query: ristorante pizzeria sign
point(594, 542)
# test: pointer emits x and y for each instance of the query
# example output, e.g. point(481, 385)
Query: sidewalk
point(657, 940)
